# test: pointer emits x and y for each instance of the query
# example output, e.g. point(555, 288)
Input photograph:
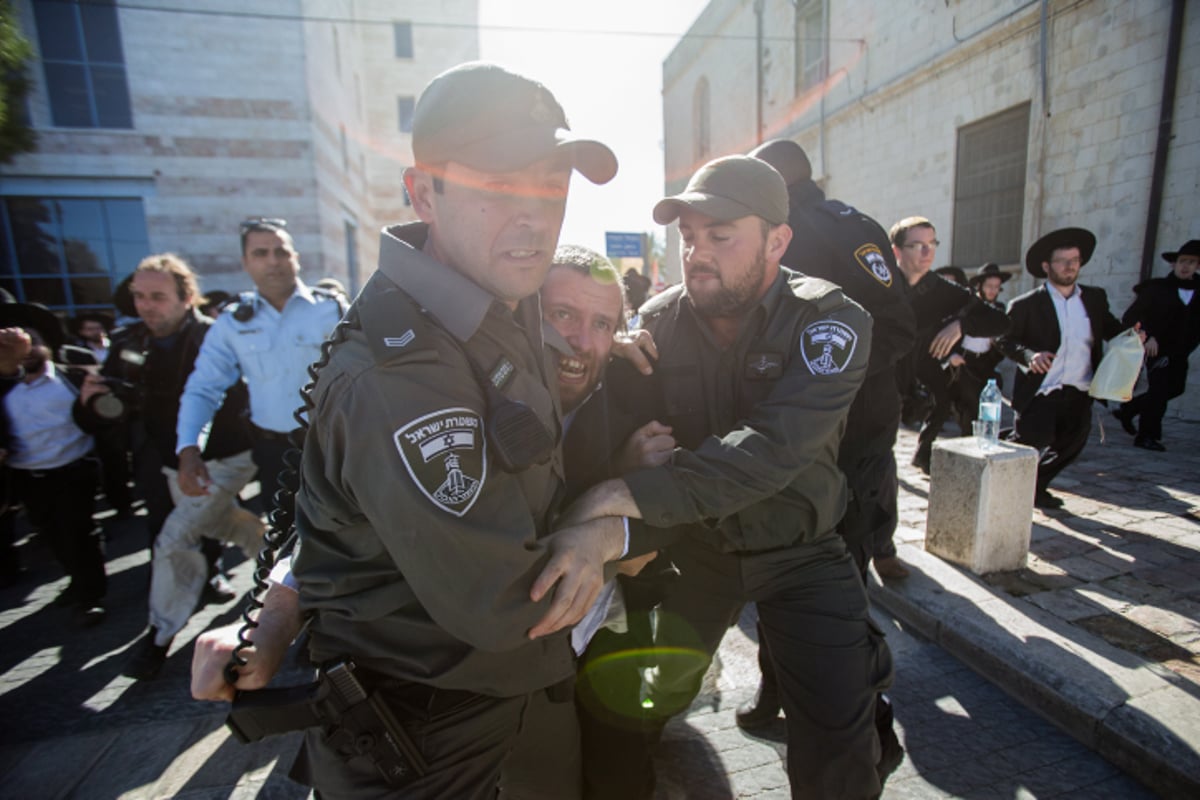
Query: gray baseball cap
point(487, 118)
point(730, 188)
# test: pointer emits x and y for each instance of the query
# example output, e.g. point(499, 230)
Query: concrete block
point(981, 504)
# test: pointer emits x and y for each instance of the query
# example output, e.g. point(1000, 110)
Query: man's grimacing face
point(587, 314)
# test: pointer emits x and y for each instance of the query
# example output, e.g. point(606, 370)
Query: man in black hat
point(976, 357)
point(91, 329)
point(53, 470)
point(1057, 337)
point(1169, 312)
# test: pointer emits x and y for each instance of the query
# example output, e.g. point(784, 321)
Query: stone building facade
point(162, 125)
point(999, 120)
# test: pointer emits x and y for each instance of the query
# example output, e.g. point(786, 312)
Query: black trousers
point(1057, 424)
point(871, 515)
point(59, 503)
point(1167, 382)
point(830, 659)
point(937, 382)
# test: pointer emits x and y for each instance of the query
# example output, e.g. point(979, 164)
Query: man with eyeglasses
point(268, 337)
point(945, 312)
point(1057, 338)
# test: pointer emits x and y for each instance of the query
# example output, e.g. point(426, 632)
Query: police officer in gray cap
point(758, 366)
point(431, 467)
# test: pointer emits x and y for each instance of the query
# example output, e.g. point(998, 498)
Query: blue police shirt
point(271, 350)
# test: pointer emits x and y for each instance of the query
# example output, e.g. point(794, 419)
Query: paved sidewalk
point(1099, 634)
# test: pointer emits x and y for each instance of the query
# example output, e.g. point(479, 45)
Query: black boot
point(761, 711)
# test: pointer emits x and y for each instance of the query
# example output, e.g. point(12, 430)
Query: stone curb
point(1132, 711)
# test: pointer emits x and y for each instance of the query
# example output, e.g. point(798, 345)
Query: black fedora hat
point(1190, 248)
point(953, 273)
point(1041, 250)
point(36, 317)
point(989, 270)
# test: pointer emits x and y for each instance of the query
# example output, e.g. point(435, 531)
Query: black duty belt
point(263, 434)
point(56, 471)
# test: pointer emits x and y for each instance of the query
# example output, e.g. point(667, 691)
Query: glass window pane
point(406, 114)
point(35, 237)
point(50, 292)
point(81, 218)
point(403, 35)
point(69, 104)
point(127, 255)
point(86, 256)
point(126, 220)
point(101, 33)
point(92, 291)
point(58, 30)
point(112, 97)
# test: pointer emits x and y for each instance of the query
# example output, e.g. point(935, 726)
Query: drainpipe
point(1166, 114)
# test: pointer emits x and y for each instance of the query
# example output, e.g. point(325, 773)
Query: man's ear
point(778, 239)
point(419, 185)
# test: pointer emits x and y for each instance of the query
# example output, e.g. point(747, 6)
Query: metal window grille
point(989, 188)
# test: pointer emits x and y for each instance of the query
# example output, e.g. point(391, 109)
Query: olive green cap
point(730, 188)
point(487, 118)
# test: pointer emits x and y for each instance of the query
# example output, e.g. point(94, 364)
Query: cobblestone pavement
point(1121, 559)
point(76, 728)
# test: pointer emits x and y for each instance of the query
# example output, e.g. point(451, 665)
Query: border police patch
point(828, 346)
point(870, 258)
point(446, 454)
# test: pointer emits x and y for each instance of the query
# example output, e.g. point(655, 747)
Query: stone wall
point(882, 130)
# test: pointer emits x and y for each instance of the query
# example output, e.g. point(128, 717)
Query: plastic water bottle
point(989, 414)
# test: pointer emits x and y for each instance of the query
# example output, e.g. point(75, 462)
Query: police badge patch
point(446, 454)
point(828, 346)
point(870, 258)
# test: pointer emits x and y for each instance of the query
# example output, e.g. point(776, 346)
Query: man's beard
point(736, 298)
point(1059, 280)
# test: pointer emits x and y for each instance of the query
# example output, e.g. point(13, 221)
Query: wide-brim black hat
point(36, 317)
point(952, 273)
point(103, 317)
point(1041, 250)
point(989, 270)
point(1190, 248)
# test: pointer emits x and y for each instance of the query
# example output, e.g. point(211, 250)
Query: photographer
point(145, 374)
point(50, 453)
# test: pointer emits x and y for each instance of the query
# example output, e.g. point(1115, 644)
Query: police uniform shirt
point(272, 350)
point(762, 420)
point(44, 433)
point(417, 552)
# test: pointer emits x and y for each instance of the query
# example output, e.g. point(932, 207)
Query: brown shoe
point(890, 567)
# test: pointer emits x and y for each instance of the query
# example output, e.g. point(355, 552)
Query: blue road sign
point(623, 245)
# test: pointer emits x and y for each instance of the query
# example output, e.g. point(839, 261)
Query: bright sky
point(603, 62)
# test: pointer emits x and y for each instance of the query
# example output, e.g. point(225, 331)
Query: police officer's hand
point(648, 446)
point(1151, 345)
point(92, 386)
point(14, 348)
point(279, 622)
point(576, 571)
point(638, 348)
point(945, 340)
point(194, 479)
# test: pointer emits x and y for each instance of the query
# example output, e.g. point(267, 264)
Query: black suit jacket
point(1035, 330)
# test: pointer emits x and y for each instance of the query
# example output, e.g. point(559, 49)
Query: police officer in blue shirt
point(269, 337)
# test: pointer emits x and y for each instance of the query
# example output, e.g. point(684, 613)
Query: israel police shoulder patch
point(446, 454)
point(870, 258)
point(828, 346)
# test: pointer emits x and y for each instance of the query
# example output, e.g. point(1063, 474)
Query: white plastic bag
point(1118, 370)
